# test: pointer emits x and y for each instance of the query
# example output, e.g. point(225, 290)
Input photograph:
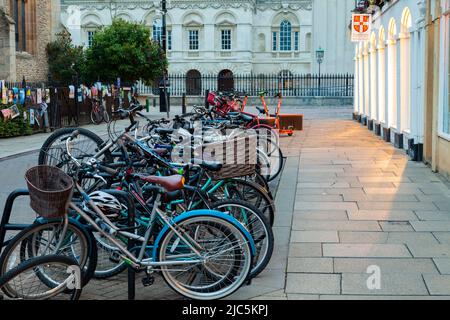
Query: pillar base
point(398, 140)
point(415, 151)
point(387, 134)
point(377, 129)
point(364, 120)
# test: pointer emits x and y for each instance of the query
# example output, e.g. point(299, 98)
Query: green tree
point(64, 59)
point(124, 50)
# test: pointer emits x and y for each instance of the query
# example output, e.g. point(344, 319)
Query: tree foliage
point(64, 59)
point(124, 50)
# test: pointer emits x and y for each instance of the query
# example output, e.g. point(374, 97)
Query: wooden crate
point(291, 121)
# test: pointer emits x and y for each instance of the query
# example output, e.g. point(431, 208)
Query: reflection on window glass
point(90, 36)
point(285, 36)
point(193, 39)
point(226, 39)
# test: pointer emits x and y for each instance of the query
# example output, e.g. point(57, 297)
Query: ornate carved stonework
point(191, 4)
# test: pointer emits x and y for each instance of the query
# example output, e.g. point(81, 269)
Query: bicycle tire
point(23, 239)
point(58, 137)
point(220, 288)
point(259, 228)
point(10, 278)
point(243, 190)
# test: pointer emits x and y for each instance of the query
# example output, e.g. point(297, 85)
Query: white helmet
point(107, 203)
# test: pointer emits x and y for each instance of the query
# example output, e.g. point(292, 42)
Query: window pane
point(296, 41)
point(90, 37)
point(274, 41)
point(193, 39)
point(285, 36)
point(169, 40)
point(226, 39)
point(157, 31)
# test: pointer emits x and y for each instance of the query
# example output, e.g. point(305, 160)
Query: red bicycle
point(98, 112)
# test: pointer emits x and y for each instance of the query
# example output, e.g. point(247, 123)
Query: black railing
point(328, 85)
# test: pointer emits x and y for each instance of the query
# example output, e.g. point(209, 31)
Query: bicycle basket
point(238, 156)
point(50, 191)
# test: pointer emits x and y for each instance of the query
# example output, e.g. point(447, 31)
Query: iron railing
point(328, 85)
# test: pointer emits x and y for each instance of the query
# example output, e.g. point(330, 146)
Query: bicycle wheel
point(109, 263)
point(247, 191)
point(271, 159)
point(41, 239)
point(53, 151)
point(24, 281)
point(258, 226)
point(96, 113)
point(106, 117)
point(226, 255)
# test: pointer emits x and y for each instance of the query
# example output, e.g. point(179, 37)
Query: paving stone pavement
point(346, 201)
point(360, 203)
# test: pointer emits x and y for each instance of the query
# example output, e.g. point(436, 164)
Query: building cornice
point(190, 4)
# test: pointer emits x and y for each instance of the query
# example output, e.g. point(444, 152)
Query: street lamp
point(164, 47)
point(320, 54)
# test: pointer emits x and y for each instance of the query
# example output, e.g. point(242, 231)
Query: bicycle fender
point(209, 213)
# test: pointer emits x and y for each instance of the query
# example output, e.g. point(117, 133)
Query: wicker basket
point(238, 157)
point(50, 191)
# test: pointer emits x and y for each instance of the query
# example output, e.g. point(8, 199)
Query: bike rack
point(6, 226)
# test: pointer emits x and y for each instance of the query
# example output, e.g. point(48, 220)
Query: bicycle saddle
point(261, 110)
point(246, 117)
point(170, 183)
point(211, 166)
point(164, 130)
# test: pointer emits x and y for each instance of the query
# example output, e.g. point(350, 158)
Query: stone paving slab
point(386, 265)
point(314, 236)
point(366, 250)
point(314, 225)
point(391, 284)
point(438, 284)
point(313, 283)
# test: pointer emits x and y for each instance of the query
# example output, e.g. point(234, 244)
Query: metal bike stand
point(5, 225)
point(131, 243)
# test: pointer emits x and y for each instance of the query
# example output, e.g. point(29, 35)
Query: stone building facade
point(403, 78)
point(231, 36)
point(26, 29)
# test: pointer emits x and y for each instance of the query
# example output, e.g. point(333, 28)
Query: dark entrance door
point(193, 83)
point(226, 81)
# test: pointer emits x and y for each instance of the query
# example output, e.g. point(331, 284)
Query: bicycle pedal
point(148, 280)
point(114, 257)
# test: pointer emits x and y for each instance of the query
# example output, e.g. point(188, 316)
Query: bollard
point(206, 99)
point(147, 104)
point(183, 104)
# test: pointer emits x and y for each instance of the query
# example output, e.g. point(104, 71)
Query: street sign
point(361, 27)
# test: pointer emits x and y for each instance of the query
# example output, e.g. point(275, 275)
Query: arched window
point(193, 83)
point(285, 36)
point(226, 81)
point(157, 30)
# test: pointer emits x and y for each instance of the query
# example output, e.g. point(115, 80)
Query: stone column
point(366, 82)
point(392, 83)
point(381, 86)
point(356, 85)
point(361, 81)
point(405, 82)
point(374, 107)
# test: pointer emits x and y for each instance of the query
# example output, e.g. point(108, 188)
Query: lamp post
point(320, 54)
point(164, 47)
